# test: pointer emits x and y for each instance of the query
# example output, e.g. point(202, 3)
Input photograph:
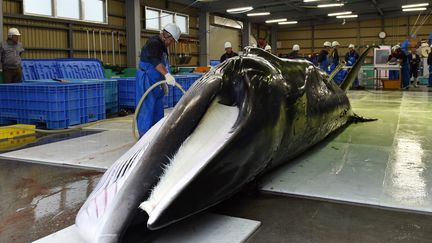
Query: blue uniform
point(405, 64)
point(323, 61)
point(351, 59)
point(153, 53)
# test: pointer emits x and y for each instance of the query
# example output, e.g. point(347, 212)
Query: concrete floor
point(37, 200)
point(387, 159)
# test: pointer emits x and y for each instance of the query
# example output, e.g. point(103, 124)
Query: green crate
point(108, 73)
point(128, 72)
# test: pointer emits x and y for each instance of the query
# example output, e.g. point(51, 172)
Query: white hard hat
point(335, 43)
point(327, 44)
point(296, 47)
point(254, 45)
point(173, 30)
point(424, 44)
point(13, 31)
point(267, 48)
point(228, 44)
point(395, 47)
point(351, 46)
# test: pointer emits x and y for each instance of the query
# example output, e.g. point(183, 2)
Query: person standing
point(295, 52)
point(323, 59)
point(414, 62)
point(429, 61)
point(351, 58)
point(10, 55)
point(267, 48)
point(403, 60)
point(334, 62)
point(393, 60)
point(154, 67)
point(228, 52)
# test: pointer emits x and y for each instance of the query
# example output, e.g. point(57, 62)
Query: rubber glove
point(170, 79)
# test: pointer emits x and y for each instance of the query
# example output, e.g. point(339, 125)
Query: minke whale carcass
point(246, 116)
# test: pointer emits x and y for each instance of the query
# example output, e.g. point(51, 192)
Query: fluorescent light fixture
point(340, 13)
point(415, 5)
point(258, 14)
point(239, 10)
point(309, 1)
point(275, 20)
point(329, 5)
point(413, 9)
point(288, 22)
point(347, 16)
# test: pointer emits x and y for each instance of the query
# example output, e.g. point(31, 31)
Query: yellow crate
point(15, 143)
point(11, 131)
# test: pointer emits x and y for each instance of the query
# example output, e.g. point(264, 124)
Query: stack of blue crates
point(126, 92)
point(53, 104)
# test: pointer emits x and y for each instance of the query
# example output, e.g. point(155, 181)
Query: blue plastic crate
point(53, 104)
point(28, 70)
point(126, 92)
point(93, 97)
point(80, 68)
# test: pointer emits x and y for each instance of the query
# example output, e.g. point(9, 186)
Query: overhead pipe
point(88, 44)
point(113, 48)
point(100, 45)
point(94, 44)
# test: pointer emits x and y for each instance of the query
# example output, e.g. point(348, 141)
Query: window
point(94, 10)
point(68, 9)
point(41, 7)
point(83, 10)
point(156, 19)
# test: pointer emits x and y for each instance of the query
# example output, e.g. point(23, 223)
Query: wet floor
point(37, 200)
point(287, 219)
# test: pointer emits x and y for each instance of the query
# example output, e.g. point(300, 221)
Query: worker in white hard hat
point(351, 58)
point(295, 52)
point(323, 58)
point(228, 52)
point(154, 67)
point(393, 60)
point(267, 48)
point(10, 55)
point(334, 62)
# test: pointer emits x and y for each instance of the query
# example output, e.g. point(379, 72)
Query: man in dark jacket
point(10, 56)
point(228, 52)
point(414, 62)
point(295, 52)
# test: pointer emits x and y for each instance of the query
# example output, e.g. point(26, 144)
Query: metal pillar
point(204, 47)
point(274, 39)
point(246, 33)
point(1, 20)
point(133, 31)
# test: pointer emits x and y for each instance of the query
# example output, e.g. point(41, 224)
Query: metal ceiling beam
point(375, 4)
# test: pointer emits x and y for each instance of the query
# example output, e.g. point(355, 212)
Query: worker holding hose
point(154, 67)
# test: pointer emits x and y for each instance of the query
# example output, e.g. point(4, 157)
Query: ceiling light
point(413, 9)
point(309, 1)
point(258, 14)
point(288, 22)
point(329, 5)
point(340, 13)
point(415, 5)
point(275, 20)
point(347, 16)
point(239, 10)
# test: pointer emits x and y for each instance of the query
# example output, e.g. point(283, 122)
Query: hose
point(137, 109)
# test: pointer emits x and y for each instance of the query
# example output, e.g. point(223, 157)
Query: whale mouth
point(213, 131)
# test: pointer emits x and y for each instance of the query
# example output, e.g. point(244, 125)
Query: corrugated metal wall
point(56, 38)
point(360, 33)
